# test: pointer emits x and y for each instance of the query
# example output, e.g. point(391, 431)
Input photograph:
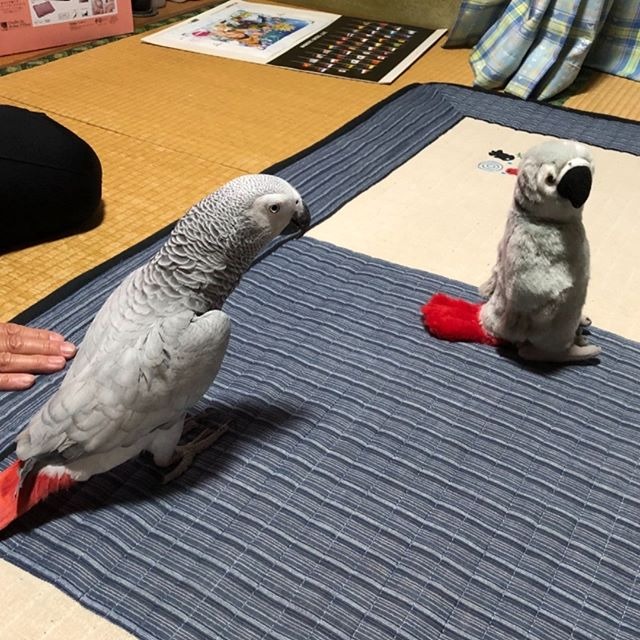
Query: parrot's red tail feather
point(455, 320)
point(14, 503)
point(9, 480)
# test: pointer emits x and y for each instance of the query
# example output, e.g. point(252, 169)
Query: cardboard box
point(27, 25)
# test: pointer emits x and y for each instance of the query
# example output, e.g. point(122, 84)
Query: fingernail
point(56, 337)
point(56, 362)
point(67, 349)
point(23, 380)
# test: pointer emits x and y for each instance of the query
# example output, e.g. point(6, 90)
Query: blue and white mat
point(376, 483)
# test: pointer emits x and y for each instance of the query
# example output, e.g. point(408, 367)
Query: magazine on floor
point(306, 40)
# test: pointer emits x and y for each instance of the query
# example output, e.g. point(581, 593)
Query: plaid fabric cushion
point(617, 49)
point(474, 18)
point(537, 47)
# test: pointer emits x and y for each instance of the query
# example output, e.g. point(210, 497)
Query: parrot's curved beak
point(575, 185)
point(300, 222)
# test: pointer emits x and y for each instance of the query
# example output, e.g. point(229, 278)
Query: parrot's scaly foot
point(575, 353)
point(185, 453)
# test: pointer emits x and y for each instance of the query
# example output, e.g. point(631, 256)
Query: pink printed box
point(27, 25)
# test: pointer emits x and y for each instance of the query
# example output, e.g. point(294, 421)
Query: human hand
point(25, 351)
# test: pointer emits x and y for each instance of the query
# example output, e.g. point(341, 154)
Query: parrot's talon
point(190, 424)
point(185, 453)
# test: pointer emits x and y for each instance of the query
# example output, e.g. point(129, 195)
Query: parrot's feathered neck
point(536, 211)
point(206, 255)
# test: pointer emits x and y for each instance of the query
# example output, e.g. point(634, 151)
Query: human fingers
point(11, 328)
point(21, 363)
point(24, 340)
point(16, 381)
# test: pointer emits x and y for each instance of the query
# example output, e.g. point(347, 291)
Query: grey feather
point(158, 342)
point(538, 285)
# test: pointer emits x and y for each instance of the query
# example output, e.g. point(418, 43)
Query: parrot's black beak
point(575, 185)
point(300, 222)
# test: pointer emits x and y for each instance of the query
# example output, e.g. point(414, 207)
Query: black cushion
point(50, 179)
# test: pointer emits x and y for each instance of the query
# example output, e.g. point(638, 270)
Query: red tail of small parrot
point(14, 503)
point(455, 320)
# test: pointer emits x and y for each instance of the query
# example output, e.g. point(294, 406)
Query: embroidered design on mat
point(501, 162)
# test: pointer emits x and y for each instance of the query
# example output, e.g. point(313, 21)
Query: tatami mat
point(138, 199)
point(608, 94)
point(170, 126)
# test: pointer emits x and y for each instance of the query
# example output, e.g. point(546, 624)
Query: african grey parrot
point(538, 286)
point(154, 347)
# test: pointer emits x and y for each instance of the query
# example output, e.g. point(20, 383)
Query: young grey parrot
point(538, 286)
point(153, 349)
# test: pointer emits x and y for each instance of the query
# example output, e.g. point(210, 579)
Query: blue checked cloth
point(536, 48)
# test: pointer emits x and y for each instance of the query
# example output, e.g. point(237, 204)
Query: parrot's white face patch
point(273, 212)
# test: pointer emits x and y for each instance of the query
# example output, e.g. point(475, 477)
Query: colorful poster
point(243, 30)
point(311, 41)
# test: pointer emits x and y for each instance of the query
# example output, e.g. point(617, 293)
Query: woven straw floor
point(170, 126)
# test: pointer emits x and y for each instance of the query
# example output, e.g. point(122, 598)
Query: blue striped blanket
point(376, 483)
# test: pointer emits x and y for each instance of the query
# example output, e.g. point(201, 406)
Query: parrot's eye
point(274, 208)
point(550, 179)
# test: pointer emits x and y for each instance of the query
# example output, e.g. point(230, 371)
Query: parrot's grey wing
point(124, 393)
point(119, 315)
point(191, 354)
